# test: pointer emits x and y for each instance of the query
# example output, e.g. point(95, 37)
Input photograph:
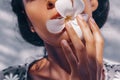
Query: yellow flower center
point(68, 18)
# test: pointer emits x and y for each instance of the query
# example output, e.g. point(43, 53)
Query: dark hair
point(100, 16)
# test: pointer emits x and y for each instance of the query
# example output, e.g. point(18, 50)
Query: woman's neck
point(56, 55)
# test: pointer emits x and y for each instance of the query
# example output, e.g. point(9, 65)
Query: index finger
point(77, 43)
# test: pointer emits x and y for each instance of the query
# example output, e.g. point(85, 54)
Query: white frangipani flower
point(68, 9)
point(11, 77)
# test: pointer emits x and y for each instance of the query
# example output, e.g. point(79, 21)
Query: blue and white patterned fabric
point(20, 72)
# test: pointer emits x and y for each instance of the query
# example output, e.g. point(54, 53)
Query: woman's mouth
point(57, 16)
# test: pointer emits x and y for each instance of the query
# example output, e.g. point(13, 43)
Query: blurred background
point(14, 50)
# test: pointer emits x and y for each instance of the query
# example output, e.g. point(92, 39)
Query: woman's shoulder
point(18, 72)
point(14, 73)
point(112, 71)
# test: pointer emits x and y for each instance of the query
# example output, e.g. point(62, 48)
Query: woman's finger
point(99, 41)
point(77, 43)
point(88, 36)
point(69, 54)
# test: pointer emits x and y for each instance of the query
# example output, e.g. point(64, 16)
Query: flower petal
point(15, 77)
point(11, 75)
point(64, 7)
point(76, 28)
point(7, 77)
point(78, 7)
point(55, 25)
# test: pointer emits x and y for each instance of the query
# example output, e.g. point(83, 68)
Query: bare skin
point(88, 61)
point(69, 57)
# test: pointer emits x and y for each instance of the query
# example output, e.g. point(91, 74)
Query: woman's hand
point(85, 57)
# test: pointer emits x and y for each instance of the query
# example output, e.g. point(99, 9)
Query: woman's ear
point(94, 4)
point(30, 26)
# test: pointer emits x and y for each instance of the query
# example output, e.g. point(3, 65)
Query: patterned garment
point(112, 71)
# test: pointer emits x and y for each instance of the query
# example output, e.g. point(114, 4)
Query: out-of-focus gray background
point(14, 50)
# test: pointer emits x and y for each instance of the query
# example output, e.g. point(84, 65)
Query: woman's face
point(39, 11)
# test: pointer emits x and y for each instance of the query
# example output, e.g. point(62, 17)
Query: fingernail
point(85, 17)
point(68, 24)
point(64, 42)
point(92, 20)
point(80, 16)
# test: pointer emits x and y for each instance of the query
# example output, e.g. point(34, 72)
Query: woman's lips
point(56, 16)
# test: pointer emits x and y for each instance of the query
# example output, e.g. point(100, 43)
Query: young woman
point(68, 56)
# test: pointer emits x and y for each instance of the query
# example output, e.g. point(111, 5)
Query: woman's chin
point(56, 39)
